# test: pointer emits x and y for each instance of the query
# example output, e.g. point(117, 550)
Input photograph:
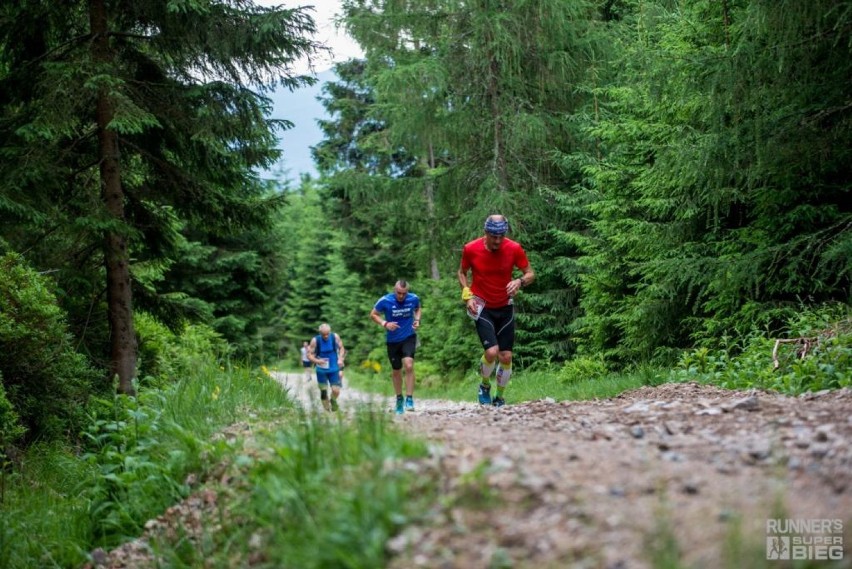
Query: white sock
point(504, 372)
point(485, 369)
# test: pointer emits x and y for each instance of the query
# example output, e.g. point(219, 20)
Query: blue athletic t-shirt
point(400, 312)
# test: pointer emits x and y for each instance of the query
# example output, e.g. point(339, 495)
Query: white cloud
point(342, 46)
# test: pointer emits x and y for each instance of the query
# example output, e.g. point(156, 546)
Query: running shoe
point(499, 402)
point(399, 403)
point(409, 403)
point(334, 405)
point(484, 394)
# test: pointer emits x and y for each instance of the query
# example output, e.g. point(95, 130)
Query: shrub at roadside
point(136, 455)
point(165, 357)
point(331, 494)
point(583, 368)
point(814, 353)
point(46, 380)
point(10, 424)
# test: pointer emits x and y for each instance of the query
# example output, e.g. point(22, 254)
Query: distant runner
point(306, 361)
point(327, 352)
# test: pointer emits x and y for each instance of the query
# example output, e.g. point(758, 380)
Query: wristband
point(385, 324)
point(466, 294)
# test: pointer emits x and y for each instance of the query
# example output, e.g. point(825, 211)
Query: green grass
point(524, 385)
point(43, 521)
point(60, 502)
point(313, 488)
point(330, 494)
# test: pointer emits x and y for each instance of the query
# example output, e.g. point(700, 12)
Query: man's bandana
point(496, 227)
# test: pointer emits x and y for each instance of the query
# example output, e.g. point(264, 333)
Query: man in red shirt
point(491, 260)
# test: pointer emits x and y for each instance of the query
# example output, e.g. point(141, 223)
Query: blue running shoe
point(399, 409)
point(499, 402)
point(409, 403)
point(484, 394)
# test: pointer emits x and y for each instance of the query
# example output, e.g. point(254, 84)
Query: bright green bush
point(583, 368)
point(447, 337)
point(10, 423)
point(198, 343)
point(825, 364)
point(154, 344)
point(45, 379)
point(165, 357)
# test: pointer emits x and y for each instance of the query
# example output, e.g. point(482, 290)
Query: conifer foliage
point(719, 199)
point(678, 171)
point(119, 116)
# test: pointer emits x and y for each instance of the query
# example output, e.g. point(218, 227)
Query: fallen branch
point(803, 347)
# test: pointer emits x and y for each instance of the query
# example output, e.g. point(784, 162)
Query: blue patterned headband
point(496, 227)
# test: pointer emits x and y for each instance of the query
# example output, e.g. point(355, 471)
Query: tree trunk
point(116, 257)
point(430, 204)
point(499, 158)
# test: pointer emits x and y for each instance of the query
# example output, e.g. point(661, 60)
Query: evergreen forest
point(679, 173)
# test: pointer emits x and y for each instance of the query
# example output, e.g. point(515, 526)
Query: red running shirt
point(492, 271)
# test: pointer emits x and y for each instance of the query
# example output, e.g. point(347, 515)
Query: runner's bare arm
point(312, 350)
point(466, 295)
point(341, 351)
point(462, 275)
point(528, 276)
point(376, 316)
point(526, 279)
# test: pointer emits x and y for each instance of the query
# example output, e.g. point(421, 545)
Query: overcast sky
point(343, 47)
point(301, 106)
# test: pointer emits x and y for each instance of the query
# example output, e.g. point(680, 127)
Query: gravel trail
point(681, 468)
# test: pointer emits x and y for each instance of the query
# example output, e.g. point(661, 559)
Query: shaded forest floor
point(677, 472)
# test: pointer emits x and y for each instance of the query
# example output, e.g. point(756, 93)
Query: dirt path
point(606, 483)
point(592, 484)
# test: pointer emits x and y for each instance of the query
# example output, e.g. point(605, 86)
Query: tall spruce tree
point(308, 251)
point(360, 177)
point(477, 93)
point(721, 173)
point(116, 112)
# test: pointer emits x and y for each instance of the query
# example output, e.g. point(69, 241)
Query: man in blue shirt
point(326, 351)
point(399, 313)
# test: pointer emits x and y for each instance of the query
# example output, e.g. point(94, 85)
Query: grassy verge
point(328, 493)
point(61, 502)
point(322, 488)
point(524, 386)
point(813, 353)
